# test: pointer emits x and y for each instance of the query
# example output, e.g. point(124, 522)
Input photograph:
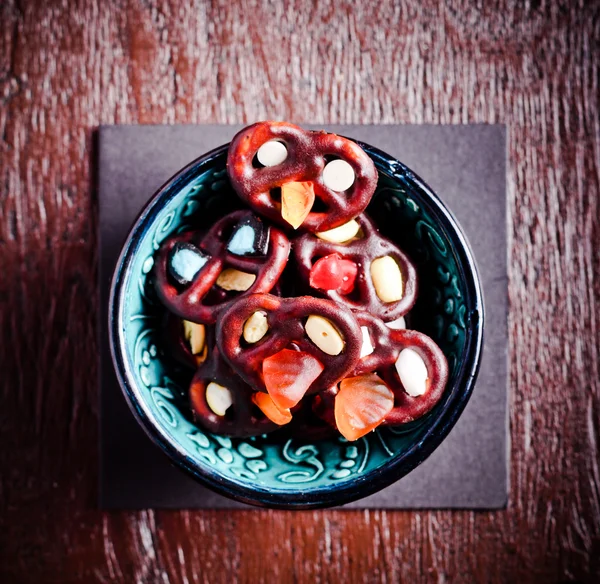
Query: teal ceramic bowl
point(270, 470)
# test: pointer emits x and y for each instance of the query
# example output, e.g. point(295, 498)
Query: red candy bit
point(364, 249)
point(333, 272)
point(288, 375)
point(361, 404)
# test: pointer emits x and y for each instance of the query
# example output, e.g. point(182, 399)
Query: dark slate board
point(466, 166)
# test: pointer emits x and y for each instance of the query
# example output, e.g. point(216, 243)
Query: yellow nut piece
point(340, 234)
point(195, 335)
point(256, 327)
point(387, 279)
point(412, 372)
point(218, 398)
point(232, 279)
point(323, 334)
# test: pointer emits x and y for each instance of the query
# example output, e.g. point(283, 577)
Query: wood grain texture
point(66, 67)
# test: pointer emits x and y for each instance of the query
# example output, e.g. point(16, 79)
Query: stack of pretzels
point(291, 312)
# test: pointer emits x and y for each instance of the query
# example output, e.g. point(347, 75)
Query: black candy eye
point(250, 237)
point(185, 261)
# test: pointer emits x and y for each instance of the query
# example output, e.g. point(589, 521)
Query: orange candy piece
point(361, 404)
point(297, 199)
point(267, 406)
point(288, 375)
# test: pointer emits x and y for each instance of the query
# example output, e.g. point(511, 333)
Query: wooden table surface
point(66, 67)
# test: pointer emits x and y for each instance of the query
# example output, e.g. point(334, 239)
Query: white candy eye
point(338, 175)
point(272, 153)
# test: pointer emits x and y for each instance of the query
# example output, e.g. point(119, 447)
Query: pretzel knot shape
point(388, 344)
point(286, 321)
point(242, 418)
point(367, 246)
point(307, 154)
point(202, 301)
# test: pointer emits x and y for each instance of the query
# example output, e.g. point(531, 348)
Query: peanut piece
point(232, 279)
point(340, 234)
point(323, 334)
point(256, 327)
point(195, 335)
point(218, 398)
point(387, 279)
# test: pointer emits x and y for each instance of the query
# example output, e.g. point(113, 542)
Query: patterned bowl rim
point(362, 485)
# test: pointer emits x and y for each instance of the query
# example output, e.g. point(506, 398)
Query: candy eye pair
point(186, 261)
point(338, 175)
point(250, 237)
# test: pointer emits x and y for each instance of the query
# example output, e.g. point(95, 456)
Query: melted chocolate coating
point(190, 302)
point(388, 344)
point(242, 418)
point(306, 159)
point(308, 248)
point(286, 318)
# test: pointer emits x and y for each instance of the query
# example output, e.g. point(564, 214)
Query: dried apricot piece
point(361, 404)
point(268, 407)
point(297, 199)
point(288, 375)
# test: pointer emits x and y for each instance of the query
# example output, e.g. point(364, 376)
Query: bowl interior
point(157, 388)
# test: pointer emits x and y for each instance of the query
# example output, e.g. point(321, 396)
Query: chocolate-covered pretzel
point(242, 418)
point(367, 246)
point(195, 296)
point(286, 320)
point(388, 344)
point(302, 158)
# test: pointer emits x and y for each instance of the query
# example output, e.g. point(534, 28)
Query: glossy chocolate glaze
point(242, 418)
point(387, 345)
point(362, 250)
point(191, 302)
point(286, 318)
point(308, 153)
